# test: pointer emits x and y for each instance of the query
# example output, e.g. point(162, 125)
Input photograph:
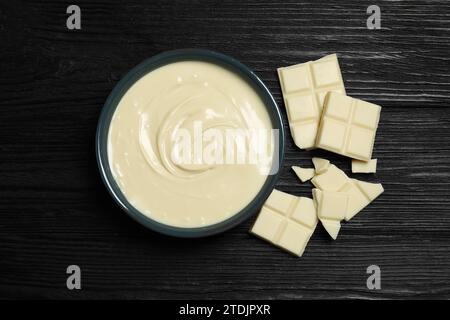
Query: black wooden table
point(55, 211)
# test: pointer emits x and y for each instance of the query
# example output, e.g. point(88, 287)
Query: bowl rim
point(148, 65)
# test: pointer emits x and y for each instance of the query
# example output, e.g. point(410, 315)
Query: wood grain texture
point(54, 210)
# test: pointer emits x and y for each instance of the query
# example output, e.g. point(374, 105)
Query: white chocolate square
point(339, 107)
point(333, 205)
point(294, 238)
point(360, 142)
point(304, 174)
point(332, 135)
point(295, 78)
point(326, 72)
point(301, 107)
point(348, 126)
point(359, 166)
point(279, 201)
point(304, 87)
point(320, 165)
point(305, 212)
point(286, 221)
point(267, 224)
point(307, 130)
point(366, 114)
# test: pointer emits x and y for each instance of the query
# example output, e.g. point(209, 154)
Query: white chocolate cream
point(176, 97)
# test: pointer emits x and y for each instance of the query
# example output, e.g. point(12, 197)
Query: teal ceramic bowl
point(122, 87)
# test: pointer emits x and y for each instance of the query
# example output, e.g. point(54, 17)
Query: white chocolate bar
point(348, 126)
point(304, 174)
point(333, 207)
point(359, 166)
point(286, 221)
point(321, 165)
point(304, 87)
point(360, 193)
